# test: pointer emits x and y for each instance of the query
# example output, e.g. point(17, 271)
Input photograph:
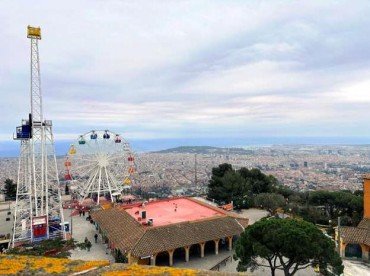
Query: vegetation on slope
point(205, 150)
point(252, 188)
point(10, 189)
point(33, 265)
point(275, 240)
point(133, 270)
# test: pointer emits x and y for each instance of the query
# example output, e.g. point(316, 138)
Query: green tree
point(269, 201)
point(339, 203)
point(260, 183)
point(120, 258)
point(221, 170)
point(54, 248)
point(323, 198)
point(312, 214)
point(234, 187)
point(281, 189)
point(347, 202)
point(286, 244)
point(228, 187)
point(10, 188)
point(294, 198)
point(239, 186)
point(216, 189)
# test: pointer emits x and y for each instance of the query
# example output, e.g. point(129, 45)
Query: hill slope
point(205, 150)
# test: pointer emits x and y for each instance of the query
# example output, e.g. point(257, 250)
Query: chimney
point(367, 196)
point(143, 215)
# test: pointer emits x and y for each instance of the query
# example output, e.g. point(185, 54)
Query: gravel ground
point(253, 214)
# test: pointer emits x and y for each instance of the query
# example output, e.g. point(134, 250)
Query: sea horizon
point(11, 148)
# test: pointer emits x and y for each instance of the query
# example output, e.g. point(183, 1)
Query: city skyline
point(200, 70)
point(180, 137)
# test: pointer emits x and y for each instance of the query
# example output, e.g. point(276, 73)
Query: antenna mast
point(195, 170)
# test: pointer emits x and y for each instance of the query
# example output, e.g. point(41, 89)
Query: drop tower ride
point(38, 211)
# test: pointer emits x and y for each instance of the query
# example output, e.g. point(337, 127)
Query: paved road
point(265, 271)
point(253, 214)
point(356, 268)
point(81, 229)
point(209, 260)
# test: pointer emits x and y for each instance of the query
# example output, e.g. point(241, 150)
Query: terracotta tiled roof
point(129, 235)
point(355, 235)
point(364, 223)
point(121, 228)
point(163, 238)
point(243, 221)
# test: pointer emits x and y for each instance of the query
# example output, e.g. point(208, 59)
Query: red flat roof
point(165, 212)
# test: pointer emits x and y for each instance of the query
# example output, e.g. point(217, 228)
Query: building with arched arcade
point(355, 241)
point(164, 231)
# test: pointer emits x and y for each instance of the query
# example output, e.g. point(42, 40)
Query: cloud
point(188, 68)
point(358, 92)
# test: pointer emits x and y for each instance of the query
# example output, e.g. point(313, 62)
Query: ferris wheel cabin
point(81, 141)
point(93, 135)
point(106, 135)
point(117, 139)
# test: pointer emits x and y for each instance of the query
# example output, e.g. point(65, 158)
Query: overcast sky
point(170, 69)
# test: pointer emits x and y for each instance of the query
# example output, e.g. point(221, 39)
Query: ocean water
point(11, 148)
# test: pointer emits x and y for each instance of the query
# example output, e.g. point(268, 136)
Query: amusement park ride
point(100, 164)
point(38, 212)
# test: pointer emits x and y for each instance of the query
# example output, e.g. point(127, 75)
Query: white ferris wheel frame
point(100, 166)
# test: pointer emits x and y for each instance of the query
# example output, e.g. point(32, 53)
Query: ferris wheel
point(101, 164)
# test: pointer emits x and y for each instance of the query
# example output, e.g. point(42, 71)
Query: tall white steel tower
point(38, 212)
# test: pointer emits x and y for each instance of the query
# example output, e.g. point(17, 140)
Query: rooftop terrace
point(165, 212)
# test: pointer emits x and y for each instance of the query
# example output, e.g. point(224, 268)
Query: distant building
point(355, 241)
point(164, 231)
point(305, 164)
